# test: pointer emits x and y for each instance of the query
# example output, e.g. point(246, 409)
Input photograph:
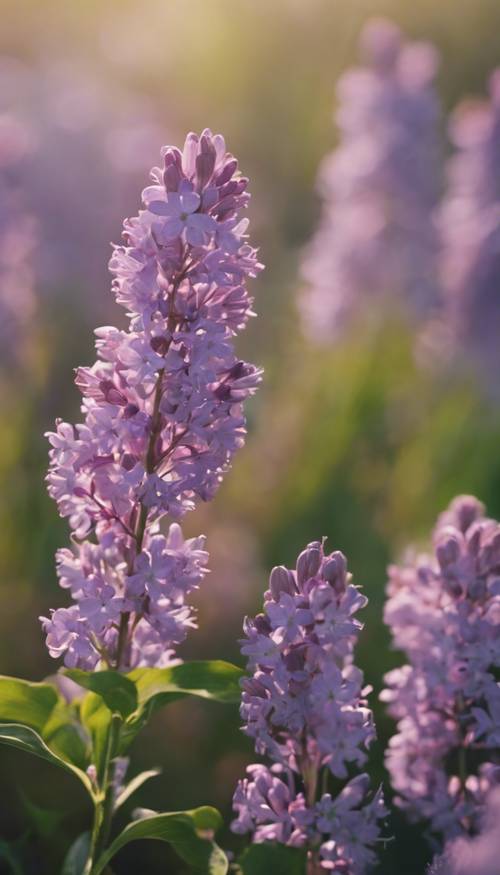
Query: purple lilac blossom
point(470, 229)
point(444, 613)
point(163, 415)
point(84, 142)
point(305, 707)
point(475, 856)
point(379, 189)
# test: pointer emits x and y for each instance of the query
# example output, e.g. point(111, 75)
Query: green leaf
point(25, 702)
point(278, 859)
point(213, 679)
point(28, 740)
point(134, 785)
point(184, 831)
point(77, 856)
point(68, 741)
point(95, 719)
point(117, 691)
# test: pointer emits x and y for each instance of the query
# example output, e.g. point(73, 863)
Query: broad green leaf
point(25, 738)
point(134, 785)
point(117, 691)
point(95, 718)
point(181, 829)
point(276, 859)
point(76, 858)
point(68, 741)
point(24, 702)
point(213, 679)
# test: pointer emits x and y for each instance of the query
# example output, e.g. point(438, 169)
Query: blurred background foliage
point(353, 441)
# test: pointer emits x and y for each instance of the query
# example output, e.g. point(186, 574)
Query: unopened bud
point(309, 562)
point(281, 580)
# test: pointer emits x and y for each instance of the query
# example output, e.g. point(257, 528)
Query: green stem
point(104, 807)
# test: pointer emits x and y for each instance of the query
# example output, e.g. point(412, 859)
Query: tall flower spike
point(470, 227)
point(305, 708)
point(444, 613)
point(379, 189)
point(163, 415)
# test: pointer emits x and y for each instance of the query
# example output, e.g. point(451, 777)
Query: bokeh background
point(352, 440)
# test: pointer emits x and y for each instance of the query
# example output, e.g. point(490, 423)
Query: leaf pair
point(35, 718)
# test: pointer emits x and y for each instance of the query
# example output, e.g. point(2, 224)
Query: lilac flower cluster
point(379, 188)
point(478, 855)
point(163, 414)
point(305, 707)
point(83, 141)
point(470, 229)
point(444, 613)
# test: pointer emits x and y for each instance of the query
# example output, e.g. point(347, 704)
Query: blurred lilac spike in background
point(163, 415)
point(79, 166)
point(470, 227)
point(444, 613)
point(18, 238)
point(376, 238)
point(479, 855)
point(305, 707)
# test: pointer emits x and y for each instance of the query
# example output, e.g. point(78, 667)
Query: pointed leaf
point(278, 859)
point(77, 856)
point(134, 785)
point(95, 719)
point(24, 702)
point(181, 829)
point(25, 738)
point(117, 691)
point(213, 679)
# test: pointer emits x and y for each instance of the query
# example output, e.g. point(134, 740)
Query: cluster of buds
point(444, 613)
point(305, 707)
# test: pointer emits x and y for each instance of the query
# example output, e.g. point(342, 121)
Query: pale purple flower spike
point(305, 707)
point(444, 613)
point(379, 188)
point(470, 227)
point(479, 855)
point(163, 415)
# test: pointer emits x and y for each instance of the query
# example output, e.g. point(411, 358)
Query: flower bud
point(309, 562)
point(335, 571)
point(281, 580)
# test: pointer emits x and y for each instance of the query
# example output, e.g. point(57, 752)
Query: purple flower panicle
point(444, 613)
point(163, 414)
point(478, 855)
point(470, 227)
point(379, 189)
point(305, 707)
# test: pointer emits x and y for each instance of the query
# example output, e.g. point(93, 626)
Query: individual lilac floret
point(305, 707)
point(470, 228)
point(379, 188)
point(444, 613)
point(163, 414)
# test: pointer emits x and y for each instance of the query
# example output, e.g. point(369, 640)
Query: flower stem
point(104, 808)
